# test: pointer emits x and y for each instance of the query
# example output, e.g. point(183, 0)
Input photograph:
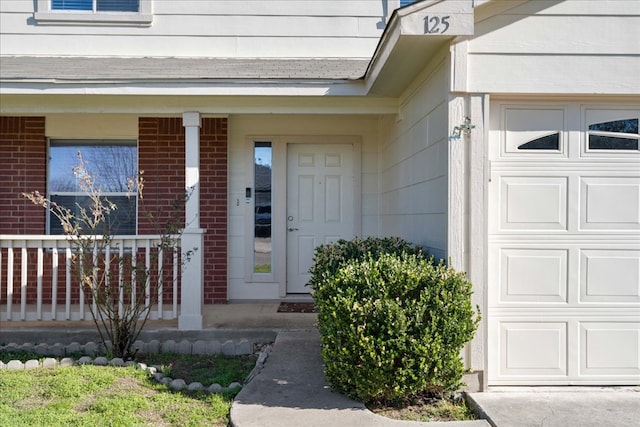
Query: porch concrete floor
point(255, 316)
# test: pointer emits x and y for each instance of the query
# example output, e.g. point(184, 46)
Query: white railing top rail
point(61, 241)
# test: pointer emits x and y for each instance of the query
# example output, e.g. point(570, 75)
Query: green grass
point(262, 268)
point(204, 369)
point(108, 396)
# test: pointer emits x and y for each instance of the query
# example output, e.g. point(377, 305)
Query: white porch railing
point(53, 293)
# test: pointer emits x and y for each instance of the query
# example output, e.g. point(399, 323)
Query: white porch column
point(192, 289)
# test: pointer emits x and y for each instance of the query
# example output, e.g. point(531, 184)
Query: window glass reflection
point(549, 142)
point(602, 136)
point(262, 215)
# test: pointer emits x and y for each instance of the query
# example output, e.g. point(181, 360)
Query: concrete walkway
point(291, 391)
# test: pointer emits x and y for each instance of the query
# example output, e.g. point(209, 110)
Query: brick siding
point(23, 162)
point(161, 158)
point(213, 207)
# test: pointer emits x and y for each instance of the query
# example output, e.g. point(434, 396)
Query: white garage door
point(564, 245)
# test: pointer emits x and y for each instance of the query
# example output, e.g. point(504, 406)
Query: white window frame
point(107, 194)
point(251, 276)
point(45, 15)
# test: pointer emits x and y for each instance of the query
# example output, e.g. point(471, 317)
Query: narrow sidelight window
point(262, 208)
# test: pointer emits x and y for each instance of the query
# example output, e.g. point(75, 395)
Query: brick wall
point(23, 154)
point(213, 207)
point(161, 157)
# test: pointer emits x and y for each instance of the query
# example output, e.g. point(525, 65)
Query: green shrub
point(393, 325)
point(328, 258)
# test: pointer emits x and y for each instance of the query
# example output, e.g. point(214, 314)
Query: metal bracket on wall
point(463, 129)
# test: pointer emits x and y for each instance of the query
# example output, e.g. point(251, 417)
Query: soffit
point(413, 35)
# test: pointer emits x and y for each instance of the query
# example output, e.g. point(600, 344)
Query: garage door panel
point(610, 203)
point(563, 244)
point(609, 276)
point(533, 348)
point(533, 275)
point(523, 125)
point(533, 203)
point(610, 349)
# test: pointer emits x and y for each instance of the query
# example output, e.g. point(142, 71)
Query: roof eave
point(414, 33)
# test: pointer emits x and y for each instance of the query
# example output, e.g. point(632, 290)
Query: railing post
point(192, 294)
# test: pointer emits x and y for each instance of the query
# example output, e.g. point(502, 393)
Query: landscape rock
point(101, 361)
point(215, 388)
point(84, 360)
point(229, 348)
point(169, 346)
point(15, 365)
point(73, 348)
point(31, 364)
point(244, 347)
point(195, 386)
point(184, 347)
point(116, 361)
point(49, 362)
point(177, 385)
point(41, 349)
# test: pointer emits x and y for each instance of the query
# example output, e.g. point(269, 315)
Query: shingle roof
point(83, 69)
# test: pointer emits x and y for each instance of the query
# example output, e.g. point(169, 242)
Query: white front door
point(564, 245)
point(320, 200)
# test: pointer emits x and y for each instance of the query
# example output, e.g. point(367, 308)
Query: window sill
point(80, 18)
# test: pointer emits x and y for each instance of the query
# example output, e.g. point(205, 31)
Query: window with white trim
point(97, 5)
point(124, 12)
point(112, 166)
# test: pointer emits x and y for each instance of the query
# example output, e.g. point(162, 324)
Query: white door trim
point(279, 200)
point(353, 141)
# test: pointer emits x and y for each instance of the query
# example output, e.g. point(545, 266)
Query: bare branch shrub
point(118, 286)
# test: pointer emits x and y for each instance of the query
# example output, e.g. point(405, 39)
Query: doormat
point(296, 307)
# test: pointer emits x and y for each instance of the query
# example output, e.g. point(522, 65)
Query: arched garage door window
point(614, 135)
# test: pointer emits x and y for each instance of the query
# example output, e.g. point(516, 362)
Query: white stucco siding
point(569, 47)
point(413, 164)
point(281, 129)
point(207, 29)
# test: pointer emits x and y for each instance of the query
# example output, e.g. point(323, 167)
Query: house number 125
point(436, 24)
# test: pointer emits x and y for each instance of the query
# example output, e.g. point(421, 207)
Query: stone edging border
point(173, 384)
point(93, 349)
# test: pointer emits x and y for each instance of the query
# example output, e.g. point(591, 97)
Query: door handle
point(292, 229)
